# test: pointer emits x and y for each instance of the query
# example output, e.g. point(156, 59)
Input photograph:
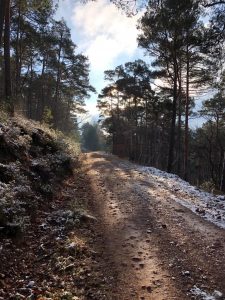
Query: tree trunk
point(8, 87)
point(17, 53)
point(186, 131)
point(222, 183)
point(2, 19)
point(42, 100)
point(136, 130)
point(29, 96)
point(58, 80)
point(179, 162)
point(173, 123)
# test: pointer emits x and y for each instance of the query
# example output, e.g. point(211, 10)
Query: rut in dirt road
point(153, 247)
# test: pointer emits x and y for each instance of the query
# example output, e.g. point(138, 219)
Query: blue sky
point(108, 37)
point(104, 34)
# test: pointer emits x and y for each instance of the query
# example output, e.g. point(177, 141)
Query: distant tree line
point(92, 138)
point(41, 74)
point(147, 109)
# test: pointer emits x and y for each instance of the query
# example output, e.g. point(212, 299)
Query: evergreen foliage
point(48, 78)
point(92, 138)
point(147, 109)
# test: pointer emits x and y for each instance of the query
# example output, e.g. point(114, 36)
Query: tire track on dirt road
point(154, 247)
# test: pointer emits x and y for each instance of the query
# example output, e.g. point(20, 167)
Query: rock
point(218, 295)
point(31, 284)
point(87, 218)
point(186, 273)
point(19, 296)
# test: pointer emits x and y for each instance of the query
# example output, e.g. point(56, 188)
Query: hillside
point(44, 231)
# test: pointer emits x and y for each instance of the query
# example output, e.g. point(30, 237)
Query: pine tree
point(171, 32)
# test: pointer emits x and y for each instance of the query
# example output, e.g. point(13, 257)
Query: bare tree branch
point(214, 3)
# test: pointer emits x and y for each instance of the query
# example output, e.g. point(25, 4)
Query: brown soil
point(152, 247)
point(141, 246)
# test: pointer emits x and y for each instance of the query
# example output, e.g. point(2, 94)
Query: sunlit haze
point(103, 33)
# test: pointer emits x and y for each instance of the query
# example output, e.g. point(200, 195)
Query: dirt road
point(152, 247)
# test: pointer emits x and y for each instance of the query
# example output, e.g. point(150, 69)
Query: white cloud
point(91, 107)
point(105, 33)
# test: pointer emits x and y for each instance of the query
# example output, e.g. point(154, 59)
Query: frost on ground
point(31, 161)
point(208, 206)
point(142, 206)
point(44, 253)
point(206, 296)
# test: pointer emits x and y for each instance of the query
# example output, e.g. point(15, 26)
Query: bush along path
point(46, 240)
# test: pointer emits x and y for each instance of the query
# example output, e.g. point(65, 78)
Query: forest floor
point(151, 246)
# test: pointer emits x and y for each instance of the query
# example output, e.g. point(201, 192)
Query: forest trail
point(153, 247)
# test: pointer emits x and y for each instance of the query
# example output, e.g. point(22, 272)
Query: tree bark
point(186, 133)
point(222, 183)
point(58, 80)
point(179, 162)
point(173, 123)
point(29, 96)
point(8, 85)
point(17, 53)
point(214, 3)
point(2, 19)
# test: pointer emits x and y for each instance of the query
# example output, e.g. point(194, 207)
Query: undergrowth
point(34, 159)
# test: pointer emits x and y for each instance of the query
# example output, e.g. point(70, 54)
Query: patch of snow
point(218, 294)
point(204, 295)
point(206, 205)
